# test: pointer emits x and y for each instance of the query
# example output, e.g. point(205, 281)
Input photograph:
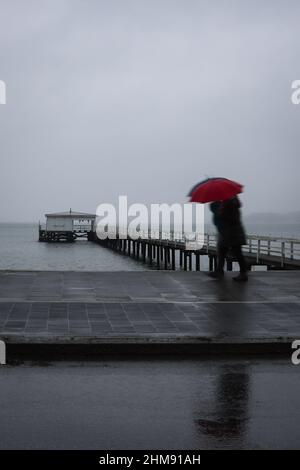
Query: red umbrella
point(215, 189)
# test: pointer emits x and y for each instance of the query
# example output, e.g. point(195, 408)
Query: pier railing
point(274, 252)
point(260, 246)
point(266, 250)
point(285, 248)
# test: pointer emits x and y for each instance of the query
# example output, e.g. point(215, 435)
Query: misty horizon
point(145, 99)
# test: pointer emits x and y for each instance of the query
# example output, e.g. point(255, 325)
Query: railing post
point(282, 253)
point(250, 245)
point(258, 251)
point(292, 250)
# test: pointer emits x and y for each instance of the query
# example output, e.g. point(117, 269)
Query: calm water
point(20, 250)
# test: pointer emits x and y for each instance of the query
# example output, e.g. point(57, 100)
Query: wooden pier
point(173, 253)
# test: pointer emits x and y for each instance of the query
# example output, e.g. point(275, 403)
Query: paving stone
point(267, 307)
point(97, 316)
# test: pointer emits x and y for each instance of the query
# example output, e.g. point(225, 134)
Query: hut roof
point(72, 215)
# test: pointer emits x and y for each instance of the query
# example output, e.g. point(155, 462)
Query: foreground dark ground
point(162, 403)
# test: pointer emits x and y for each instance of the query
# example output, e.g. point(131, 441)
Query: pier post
point(185, 261)
point(173, 253)
point(180, 258)
point(282, 253)
point(190, 261)
point(166, 255)
point(197, 262)
point(211, 263)
point(150, 253)
point(144, 251)
point(229, 264)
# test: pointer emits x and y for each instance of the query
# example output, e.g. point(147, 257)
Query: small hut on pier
point(67, 226)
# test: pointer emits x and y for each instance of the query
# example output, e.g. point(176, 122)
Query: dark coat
point(215, 208)
point(229, 225)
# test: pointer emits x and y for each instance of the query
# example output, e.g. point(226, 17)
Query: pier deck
point(168, 309)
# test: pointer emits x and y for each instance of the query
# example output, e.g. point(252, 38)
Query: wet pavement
point(146, 286)
point(162, 403)
point(148, 305)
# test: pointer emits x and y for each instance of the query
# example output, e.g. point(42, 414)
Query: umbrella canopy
point(215, 189)
point(202, 182)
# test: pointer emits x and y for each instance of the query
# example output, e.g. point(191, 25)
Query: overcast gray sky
point(145, 98)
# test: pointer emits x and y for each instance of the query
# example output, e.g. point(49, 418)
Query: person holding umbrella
point(225, 206)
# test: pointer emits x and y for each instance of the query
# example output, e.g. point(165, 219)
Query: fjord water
point(20, 250)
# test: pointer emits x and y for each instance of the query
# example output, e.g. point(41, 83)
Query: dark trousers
point(237, 253)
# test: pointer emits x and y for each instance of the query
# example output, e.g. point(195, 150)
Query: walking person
point(225, 205)
point(231, 235)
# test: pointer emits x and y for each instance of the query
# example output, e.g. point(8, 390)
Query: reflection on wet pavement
point(151, 403)
point(229, 406)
